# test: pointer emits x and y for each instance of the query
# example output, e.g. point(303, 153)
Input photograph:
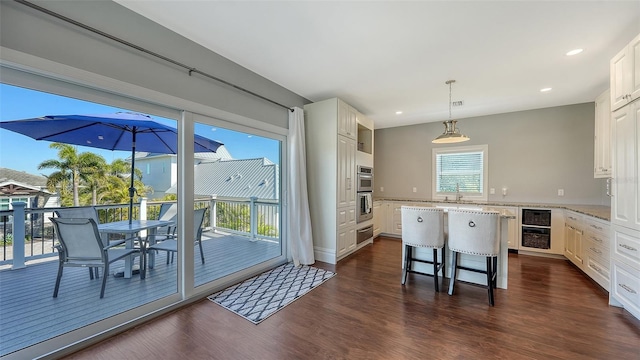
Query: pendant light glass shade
point(451, 134)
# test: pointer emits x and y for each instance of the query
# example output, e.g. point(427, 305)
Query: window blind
point(460, 169)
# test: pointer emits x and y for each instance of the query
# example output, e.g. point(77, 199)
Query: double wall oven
point(365, 193)
point(365, 202)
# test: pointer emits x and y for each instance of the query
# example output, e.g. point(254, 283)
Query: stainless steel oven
point(365, 206)
point(365, 179)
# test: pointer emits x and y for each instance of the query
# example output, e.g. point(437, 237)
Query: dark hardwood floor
point(550, 311)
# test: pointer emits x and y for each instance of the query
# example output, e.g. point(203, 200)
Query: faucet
point(458, 195)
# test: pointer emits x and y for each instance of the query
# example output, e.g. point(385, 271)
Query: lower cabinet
point(625, 269)
point(379, 218)
point(346, 241)
point(573, 238)
point(595, 247)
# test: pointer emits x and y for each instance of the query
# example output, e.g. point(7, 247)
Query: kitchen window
point(460, 173)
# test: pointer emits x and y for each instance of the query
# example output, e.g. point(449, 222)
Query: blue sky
point(19, 152)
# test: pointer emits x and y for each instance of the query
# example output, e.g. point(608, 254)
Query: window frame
point(451, 196)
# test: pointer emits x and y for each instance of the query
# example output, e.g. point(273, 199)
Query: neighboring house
point(214, 174)
point(237, 178)
point(160, 171)
point(24, 187)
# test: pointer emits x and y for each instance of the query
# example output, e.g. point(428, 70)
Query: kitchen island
point(387, 213)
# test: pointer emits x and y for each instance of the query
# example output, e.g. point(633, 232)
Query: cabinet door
point(351, 239)
point(346, 172)
point(624, 203)
point(577, 255)
point(569, 242)
point(377, 218)
point(633, 51)
point(619, 74)
point(341, 245)
point(346, 120)
point(602, 137)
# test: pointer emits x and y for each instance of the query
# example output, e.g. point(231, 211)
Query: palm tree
point(70, 167)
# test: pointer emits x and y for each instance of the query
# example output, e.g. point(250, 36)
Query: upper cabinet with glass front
point(625, 75)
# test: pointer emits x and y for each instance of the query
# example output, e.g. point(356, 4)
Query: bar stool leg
point(435, 269)
point(454, 269)
point(490, 273)
point(495, 272)
point(407, 263)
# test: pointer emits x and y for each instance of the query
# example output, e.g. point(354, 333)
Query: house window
point(4, 204)
point(460, 171)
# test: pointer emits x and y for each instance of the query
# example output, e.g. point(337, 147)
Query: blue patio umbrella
point(119, 131)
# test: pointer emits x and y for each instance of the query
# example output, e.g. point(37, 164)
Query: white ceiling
point(386, 56)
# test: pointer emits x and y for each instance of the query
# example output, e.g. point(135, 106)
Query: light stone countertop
point(598, 211)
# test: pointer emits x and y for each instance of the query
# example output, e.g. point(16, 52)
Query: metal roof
point(241, 178)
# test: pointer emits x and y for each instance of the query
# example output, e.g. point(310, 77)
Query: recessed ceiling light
point(398, 112)
point(574, 52)
point(545, 89)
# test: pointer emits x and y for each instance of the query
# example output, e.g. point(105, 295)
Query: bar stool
point(475, 233)
point(423, 227)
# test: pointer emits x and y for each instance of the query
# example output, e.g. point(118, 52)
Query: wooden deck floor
point(29, 314)
point(550, 311)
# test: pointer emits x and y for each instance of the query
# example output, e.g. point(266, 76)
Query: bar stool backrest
point(474, 232)
point(423, 227)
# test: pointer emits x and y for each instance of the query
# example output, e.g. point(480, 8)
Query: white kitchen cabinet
point(625, 203)
point(625, 272)
point(596, 250)
point(347, 120)
point(573, 238)
point(602, 137)
point(379, 217)
point(346, 172)
point(330, 132)
point(625, 75)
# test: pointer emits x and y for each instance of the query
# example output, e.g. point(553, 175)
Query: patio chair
point(169, 212)
point(170, 244)
point(82, 247)
point(83, 212)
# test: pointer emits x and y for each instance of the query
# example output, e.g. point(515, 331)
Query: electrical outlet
point(492, 191)
point(415, 189)
point(560, 192)
point(381, 188)
point(504, 191)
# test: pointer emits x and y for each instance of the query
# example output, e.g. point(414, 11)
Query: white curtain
point(300, 238)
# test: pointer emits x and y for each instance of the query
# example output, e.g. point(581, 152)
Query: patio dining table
point(131, 232)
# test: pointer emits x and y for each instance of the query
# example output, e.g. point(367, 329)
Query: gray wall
point(532, 153)
point(34, 33)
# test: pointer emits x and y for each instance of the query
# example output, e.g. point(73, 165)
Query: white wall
point(31, 32)
point(533, 153)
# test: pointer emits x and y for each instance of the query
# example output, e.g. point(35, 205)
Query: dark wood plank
point(550, 311)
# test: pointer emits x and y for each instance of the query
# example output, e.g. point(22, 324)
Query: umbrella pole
point(132, 189)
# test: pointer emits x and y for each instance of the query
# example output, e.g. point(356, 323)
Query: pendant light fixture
point(451, 134)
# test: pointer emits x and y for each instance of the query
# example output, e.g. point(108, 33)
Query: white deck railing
point(27, 234)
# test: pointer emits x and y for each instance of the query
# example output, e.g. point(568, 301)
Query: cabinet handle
point(596, 250)
point(597, 269)
point(628, 247)
point(596, 239)
point(628, 288)
point(572, 218)
point(596, 227)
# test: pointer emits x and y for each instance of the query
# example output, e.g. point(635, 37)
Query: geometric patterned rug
point(263, 295)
